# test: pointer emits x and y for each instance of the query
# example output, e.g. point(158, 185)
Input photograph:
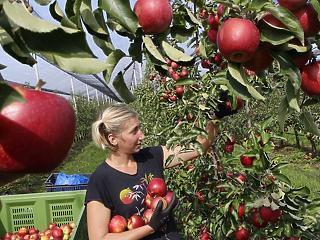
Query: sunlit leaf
point(120, 11)
point(152, 49)
point(175, 54)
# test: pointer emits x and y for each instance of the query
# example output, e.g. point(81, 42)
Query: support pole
point(87, 90)
point(97, 96)
point(73, 94)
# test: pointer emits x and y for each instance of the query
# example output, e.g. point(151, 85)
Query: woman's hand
point(212, 131)
point(159, 216)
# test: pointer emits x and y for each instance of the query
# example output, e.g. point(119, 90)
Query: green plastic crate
point(40, 209)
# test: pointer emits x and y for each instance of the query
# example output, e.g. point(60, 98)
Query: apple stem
point(39, 84)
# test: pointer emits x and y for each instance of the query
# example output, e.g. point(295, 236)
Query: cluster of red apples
point(238, 41)
point(53, 232)
point(156, 191)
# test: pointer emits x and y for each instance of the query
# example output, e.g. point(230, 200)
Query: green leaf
point(282, 113)
point(316, 6)
point(122, 89)
point(274, 36)
point(279, 166)
point(238, 75)
point(288, 69)
point(192, 17)
point(8, 95)
point(58, 15)
point(152, 49)
point(120, 11)
point(79, 65)
point(17, 14)
point(175, 54)
point(42, 36)
point(10, 47)
point(56, 11)
point(43, 2)
point(292, 97)
point(185, 81)
point(90, 21)
point(111, 63)
point(287, 18)
point(181, 33)
point(282, 178)
point(309, 124)
point(256, 5)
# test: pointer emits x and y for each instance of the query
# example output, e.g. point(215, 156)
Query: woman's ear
point(112, 139)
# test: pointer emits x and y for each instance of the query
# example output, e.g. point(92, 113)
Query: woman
point(117, 187)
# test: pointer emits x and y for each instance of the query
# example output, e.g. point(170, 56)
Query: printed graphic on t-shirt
point(137, 193)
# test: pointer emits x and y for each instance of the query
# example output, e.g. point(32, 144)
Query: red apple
point(52, 226)
point(36, 134)
point(157, 187)
point(147, 215)
point(57, 233)
point(154, 16)
point(174, 65)
point(238, 39)
point(310, 79)
point(265, 213)
point(256, 219)
point(246, 160)
point(276, 215)
point(22, 231)
point(292, 4)
point(148, 200)
point(308, 18)
point(35, 236)
point(241, 210)
point(26, 237)
point(228, 148)
point(135, 221)
point(155, 202)
point(261, 60)
point(117, 224)
point(33, 230)
point(66, 229)
point(168, 197)
point(200, 197)
point(241, 178)
point(184, 73)
point(179, 90)
point(213, 21)
point(242, 234)
point(212, 35)
point(220, 9)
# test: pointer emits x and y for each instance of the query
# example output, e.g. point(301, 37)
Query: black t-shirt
point(124, 194)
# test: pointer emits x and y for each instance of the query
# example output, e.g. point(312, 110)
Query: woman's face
point(131, 137)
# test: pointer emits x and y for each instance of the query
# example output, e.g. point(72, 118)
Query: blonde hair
point(111, 121)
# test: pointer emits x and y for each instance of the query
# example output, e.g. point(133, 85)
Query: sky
point(54, 77)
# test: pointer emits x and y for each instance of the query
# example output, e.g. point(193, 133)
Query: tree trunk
point(314, 151)
point(297, 138)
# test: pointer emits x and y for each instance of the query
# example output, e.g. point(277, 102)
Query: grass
point(302, 169)
point(83, 157)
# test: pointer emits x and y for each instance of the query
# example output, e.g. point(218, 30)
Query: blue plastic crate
point(52, 187)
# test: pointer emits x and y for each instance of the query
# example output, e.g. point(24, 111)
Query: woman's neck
point(120, 159)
